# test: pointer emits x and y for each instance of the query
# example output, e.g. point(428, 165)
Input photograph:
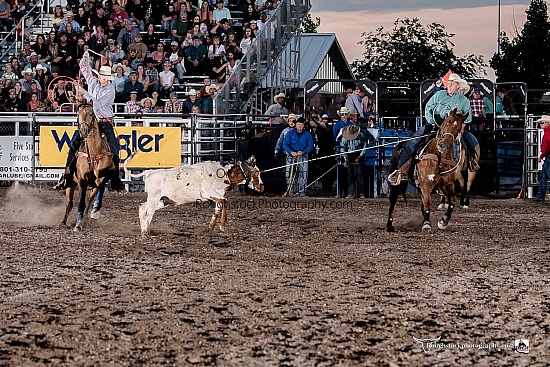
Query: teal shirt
point(489, 106)
point(442, 103)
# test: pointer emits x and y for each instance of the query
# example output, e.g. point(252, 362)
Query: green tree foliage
point(526, 57)
point(413, 52)
point(310, 26)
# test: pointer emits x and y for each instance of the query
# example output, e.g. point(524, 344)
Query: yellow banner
point(157, 147)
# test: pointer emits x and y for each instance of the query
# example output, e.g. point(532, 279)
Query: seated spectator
point(179, 31)
point(42, 77)
point(40, 48)
point(157, 102)
point(174, 105)
point(202, 92)
point(169, 19)
point(232, 46)
point(250, 14)
point(152, 76)
point(72, 35)
point(147, 105)
point(133, 60)
point(208, 100)
point(132, 85)
point(175, 57)
point(119, 81)
point(32, 104)
point(28, 78)
point(191, 101)
point(9, 74)
point(139, 47)
point(151, 38)
point(137, 9)
point(247, 41)
point(69, 19)
point(40, 95)
point(195, 58)
point(132, 106)
point(220, 12)
point(166, 78)
point(118, 15)
point(103, 61)
point(127, 34)
point(14, 103)
point(115, 54)
point(205, 13)
point(58, 17)
point(222, 29)
point(159, 56)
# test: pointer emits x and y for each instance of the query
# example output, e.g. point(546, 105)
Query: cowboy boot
point(400, 174)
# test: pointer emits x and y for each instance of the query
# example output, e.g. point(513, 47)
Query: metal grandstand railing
point(241, 89)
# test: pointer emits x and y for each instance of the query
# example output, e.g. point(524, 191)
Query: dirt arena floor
point(292, 282)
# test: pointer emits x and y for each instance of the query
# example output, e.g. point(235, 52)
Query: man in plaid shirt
point(476, 102)
point(153, 75)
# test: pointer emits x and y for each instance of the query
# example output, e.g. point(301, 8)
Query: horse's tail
point(128, 172)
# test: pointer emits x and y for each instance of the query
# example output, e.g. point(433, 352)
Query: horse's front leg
point(426, 191)
point(69, 195)
point(97, 195)
point(81, 207)
point(394, 194)
point(449, 191)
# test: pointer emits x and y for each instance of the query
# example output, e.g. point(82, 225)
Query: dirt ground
point(285, 285)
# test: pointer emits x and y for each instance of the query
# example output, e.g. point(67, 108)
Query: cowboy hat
point(119, 65)
point(192, 92)
point(454, 78)
point(351, 132)
point(342, 111)
point(28, 71)
point(41, 67)
point(463, 84)
point(544, 118)
point(280, 95)
point(105, 71)
point(324, 117)
point(142, 102)
point(209, 88)
point(290, 116)
point(69, 14)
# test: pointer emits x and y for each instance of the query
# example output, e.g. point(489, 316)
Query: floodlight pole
point(498, 29)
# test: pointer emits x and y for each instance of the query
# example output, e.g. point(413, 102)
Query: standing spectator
point(478, 108)
point(507, 104)
point(291, 124)
point(490, 109)
point(544, 154)
point(341, 172)
point(325, 143)
point(166, 78)
point(355, 101)
point(353, 139)
point(195, 58)
point(298, 143)
point(132, 106)
point(276, 110)
point(247, 41)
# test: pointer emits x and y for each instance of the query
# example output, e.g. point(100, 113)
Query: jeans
point(299, 174)
point(543, 178)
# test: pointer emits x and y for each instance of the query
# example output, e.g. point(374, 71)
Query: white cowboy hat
point(192, 92)
point(209, 88)
point(351, 132)
point(280, 95)
point(544, 118)
point(463, 84)
point(105, 71)
point(28, 71)
point(142, 102)
point(454, 78)
point(41, 67)
point(342, 111)
point(116, 66)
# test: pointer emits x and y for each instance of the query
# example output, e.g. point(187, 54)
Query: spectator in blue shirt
point(298, 143)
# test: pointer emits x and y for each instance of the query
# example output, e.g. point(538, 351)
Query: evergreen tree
point(310, 26)
point(526, 58)
point(413, 52)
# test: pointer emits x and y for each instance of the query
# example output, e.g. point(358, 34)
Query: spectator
point(137, 9)
point(132, 106)
point(14, 103)
point(220, 12)
point(80, 16)
point(112, 31)
point(58, 17)
point(202, 91)
point(232, 46)
point(355, 101)
point(191, 101)
point(155, 96)
point(277, 109)
point(9, 74)
point(250, 14)
point(127, 35)
point(205, 13)
point(247, 41)
point(544, 155)
point(133, 60)
point(118, 16)
point(175, 57)
point(40, 48)
point(32, 104)
point(101, 18)
point(169, 19)
point(103, 60)
point(66, 55)
point(476, 103)
point(222, 29)
point(507, 104)
point(208, 99)
point(166, 78)
point(188, 40)
point(35, 89)
point(254, 27)
point(152, 76)
point(298, 143)
point(174, 105)
point(142, 77)
point(28, 77)
point(42, 77)
point(147, 105)
point(132, 84)
point(195, 58)
point(179, 31)
point(150, 38)
point(291, 124)
point(115, 54)
point(119, 81)
point(159, 56)
point(69, 19)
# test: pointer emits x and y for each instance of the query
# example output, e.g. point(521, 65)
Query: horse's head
point(450, 131)
point(86, 119)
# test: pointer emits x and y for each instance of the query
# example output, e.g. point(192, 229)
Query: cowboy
point(436, 110)
point(544, 122)
point(102, 93)
point(298, 143)
point(277, 109)
point(353, 143)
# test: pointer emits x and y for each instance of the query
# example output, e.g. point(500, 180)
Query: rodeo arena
point(257, 213)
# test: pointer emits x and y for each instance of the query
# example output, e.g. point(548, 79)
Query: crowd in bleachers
point(155, 49)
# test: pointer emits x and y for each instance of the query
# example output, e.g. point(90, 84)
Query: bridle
point(86, 127)
point(443, 147)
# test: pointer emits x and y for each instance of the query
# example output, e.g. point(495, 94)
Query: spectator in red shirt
point(544, 154)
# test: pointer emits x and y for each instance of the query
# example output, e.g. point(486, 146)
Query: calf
point(187, 184)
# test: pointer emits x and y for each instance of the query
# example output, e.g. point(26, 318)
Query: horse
point(94, 161)
point(435, 169)
point(465, 177)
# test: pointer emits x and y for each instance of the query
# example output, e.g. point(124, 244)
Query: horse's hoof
point(441, 207)
point(77, 228)
point(427, 226)
point(442, 224)
point(222, 228)
point(465, 206)
point(390, 229)
point(95, 214)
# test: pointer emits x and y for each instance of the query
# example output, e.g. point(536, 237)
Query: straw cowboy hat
point(351, 132)
point(544, 118)
point(69, 14)
point(105, 71)
point(209, 88)
point(119, 65)
point(463, 84)
point(342, 111)
point(280, 95)
point(454, 78)
point(142, 102)
point(289, 117)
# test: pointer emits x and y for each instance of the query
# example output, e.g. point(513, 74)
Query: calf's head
point(246, 173)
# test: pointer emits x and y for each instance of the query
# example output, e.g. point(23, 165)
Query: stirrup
point(474, 165)
point(396, 177)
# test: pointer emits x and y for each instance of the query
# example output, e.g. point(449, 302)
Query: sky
point(474, 23)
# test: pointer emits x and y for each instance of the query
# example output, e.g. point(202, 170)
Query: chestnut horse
point(435, 169)
point(94, 160)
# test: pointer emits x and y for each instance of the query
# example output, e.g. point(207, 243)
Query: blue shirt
point(279, 145)
point(296, 142)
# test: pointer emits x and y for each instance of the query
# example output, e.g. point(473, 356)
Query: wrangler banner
point(156, 147)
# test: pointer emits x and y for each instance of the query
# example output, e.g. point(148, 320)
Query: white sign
point(16, 158)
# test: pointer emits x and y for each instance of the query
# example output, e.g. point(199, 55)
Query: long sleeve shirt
point(545, 144)
point(103, 98)
point(279, 145)
point(442, 103)
point(296, 142)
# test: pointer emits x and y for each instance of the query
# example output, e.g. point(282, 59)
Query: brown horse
point(465, 177)
point(435, 169)
point(94, 161)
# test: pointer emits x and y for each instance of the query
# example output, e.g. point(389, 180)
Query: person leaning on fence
point(437, 109)
point(544, 122)
point(298, 143)
point(291, 124)
point(102, 93)
point(277, 109)
point(353, 140)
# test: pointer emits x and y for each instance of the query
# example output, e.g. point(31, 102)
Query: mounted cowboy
point(437, 109)
point(102, 93)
